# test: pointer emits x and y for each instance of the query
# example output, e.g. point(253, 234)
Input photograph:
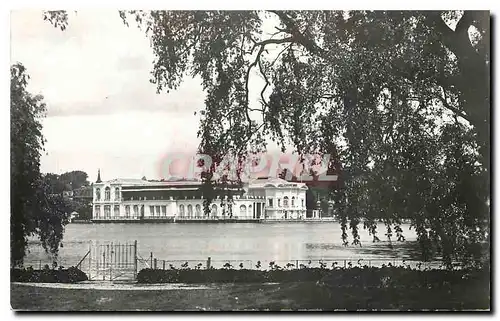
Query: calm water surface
point(238, 241)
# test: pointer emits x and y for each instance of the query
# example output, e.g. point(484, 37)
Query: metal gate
point(112, 261)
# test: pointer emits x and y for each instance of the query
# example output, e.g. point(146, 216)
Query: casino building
point(136, 200)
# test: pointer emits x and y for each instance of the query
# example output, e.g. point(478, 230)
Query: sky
point(102, 111)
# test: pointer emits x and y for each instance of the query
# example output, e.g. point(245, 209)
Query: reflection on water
point(237, 241)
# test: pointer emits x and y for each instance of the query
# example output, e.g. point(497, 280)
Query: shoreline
point(208, 221)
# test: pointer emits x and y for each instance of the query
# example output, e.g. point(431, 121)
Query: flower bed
point(70, 275)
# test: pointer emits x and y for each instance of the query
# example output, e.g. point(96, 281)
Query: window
point(97, 194)
point(158, 210)
point(164, 210)
point(152, 210)
point(243, 211)
point(190, 210)
point(181, 210)
point(136, 210)
point(117, 194)
point(116, 211)
point(279, 202)
point(107, 211)
point(285, 201)
point(214, 210)
point(259, 207)
point(107, 193)
point(302, 202)
point(127, 210)
point(293, 201)
point(198, 210)
point(97, 211)
point(270, 202)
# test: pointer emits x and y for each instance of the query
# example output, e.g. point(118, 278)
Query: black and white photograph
point(250, 160)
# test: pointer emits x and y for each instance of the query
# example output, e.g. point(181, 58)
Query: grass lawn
point(284, 296)
point(220, 297)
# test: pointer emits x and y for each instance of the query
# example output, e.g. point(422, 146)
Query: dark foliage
point(35, 210)
point(70, 275)
point(397, 288)
point(400, 99)
point(339, 277)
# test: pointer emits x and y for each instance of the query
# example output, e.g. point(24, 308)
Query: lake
point(248, 242)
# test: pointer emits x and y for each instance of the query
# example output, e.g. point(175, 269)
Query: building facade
point(183, 200)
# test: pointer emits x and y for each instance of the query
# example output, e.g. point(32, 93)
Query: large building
point(182, 200)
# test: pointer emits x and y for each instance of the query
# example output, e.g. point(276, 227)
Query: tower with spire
point(98, 176)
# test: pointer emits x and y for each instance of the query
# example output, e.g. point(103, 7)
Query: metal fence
point(152, 262)
point(51, 264)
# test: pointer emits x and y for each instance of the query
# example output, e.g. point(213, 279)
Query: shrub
point(363, 277)
point(61, 275)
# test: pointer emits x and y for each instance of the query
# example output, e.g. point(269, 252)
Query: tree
point(401, 98)
point(75, 179)
point(56, 186)
point(67, 181)
point(35, 210)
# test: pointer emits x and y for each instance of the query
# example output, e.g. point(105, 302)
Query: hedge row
point(227, 276)
point(70, 275)
point(364, 277)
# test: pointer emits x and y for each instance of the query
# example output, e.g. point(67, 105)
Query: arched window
point(97, 211)
point(97, 194)
point(243, 211)
point(127, 210)
point(190, 211)
point(136, 210)
point(107, 193)
point(117, 194)
point(285, 201)
point(198, 210)
point(214, 210)
point(181, 210)
point(279, 202)
point(116, 210)
point(293, 201)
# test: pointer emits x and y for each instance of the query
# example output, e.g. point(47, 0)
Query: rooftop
point(274, 181)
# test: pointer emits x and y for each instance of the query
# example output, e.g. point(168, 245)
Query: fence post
point(208, 263)
point(155, 263)
point(296, 264)
point(135, 259)
point(40, 265)
point(344, 264)
point(164, 264)
point(90, 260)
point(104, 265)
point(151, 259)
